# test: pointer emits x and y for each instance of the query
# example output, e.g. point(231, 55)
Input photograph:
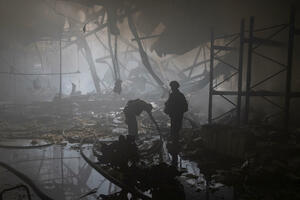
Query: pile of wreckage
point(260, 162)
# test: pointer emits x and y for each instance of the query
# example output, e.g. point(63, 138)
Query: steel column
point(289, 68)
point(60, 70)
point(249, 68)
point(211, 78)
point(240, 71)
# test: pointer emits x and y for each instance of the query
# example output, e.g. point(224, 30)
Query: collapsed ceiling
point(180, 25)
point(164, 27)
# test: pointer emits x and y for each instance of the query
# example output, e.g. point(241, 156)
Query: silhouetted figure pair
point(175, 107)
point(133, 109)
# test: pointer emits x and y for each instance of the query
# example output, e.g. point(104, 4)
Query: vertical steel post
point(211, 78)
point(249, 70)
point(289, 67)
point(60, 70)
point(240, 78)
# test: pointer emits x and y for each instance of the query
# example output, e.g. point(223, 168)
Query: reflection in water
point(61, 173)
point(58, 170)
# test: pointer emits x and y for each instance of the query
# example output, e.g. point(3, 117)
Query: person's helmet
point(174, 85)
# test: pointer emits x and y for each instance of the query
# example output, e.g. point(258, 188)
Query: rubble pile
point(268, 169)
point(137, 164)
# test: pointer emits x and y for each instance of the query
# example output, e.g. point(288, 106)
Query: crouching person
point(133, 109)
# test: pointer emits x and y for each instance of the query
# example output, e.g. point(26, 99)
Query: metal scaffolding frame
point(214, 51)
point(253, 43)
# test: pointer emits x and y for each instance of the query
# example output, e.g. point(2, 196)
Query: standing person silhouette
point(175, 107)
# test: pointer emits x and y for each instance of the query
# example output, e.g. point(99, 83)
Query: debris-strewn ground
point(259, 162)
point(267, 165)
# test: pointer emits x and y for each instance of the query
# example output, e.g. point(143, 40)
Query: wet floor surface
point(59, 171)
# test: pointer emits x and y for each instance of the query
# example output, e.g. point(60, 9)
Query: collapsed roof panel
point(27, 21)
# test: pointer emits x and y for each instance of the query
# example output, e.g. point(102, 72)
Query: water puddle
point(59, 171)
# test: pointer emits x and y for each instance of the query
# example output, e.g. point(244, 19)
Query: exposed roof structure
point(182, 25)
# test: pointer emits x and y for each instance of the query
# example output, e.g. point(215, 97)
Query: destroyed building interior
point(150, 99)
